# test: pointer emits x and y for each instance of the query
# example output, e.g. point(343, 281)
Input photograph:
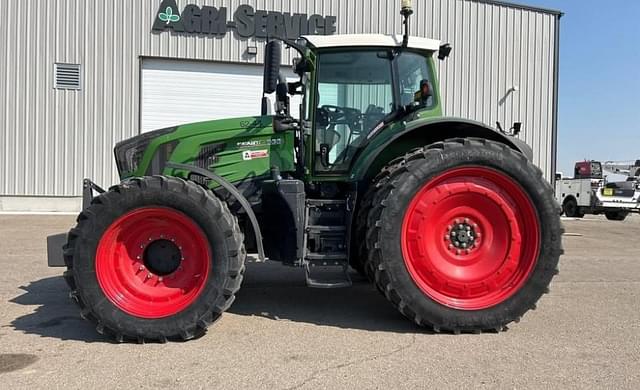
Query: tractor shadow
point(55, 314)
point(271, 290)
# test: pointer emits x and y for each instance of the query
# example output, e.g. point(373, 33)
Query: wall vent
point(67, 76)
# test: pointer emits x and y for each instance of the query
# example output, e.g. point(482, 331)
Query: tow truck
point(590, 191)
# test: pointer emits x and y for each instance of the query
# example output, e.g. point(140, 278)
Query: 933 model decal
point(261, 142)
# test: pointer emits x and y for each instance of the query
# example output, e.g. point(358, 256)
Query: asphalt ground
point(280, 334)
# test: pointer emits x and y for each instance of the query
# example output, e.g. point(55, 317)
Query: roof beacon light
point(406, 6)
point(406, 11)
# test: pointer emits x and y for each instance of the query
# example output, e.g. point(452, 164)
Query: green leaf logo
point(168, 16)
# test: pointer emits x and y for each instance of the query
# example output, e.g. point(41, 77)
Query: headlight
point(129, 153)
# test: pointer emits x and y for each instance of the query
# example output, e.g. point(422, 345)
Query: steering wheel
point(336, 115)
point(341, 115)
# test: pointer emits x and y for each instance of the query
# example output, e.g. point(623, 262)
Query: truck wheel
point(465, 236)
point(571, 208)
point(155, 259)
point(616, 215)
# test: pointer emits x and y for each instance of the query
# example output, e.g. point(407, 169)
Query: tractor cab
point(354, 89)
point(353, 86)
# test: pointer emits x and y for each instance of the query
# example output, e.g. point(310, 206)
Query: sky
point(599, 106)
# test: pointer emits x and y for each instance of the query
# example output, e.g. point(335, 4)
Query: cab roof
point(374, 40)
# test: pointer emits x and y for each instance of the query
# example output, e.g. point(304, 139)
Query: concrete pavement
point(280, 334)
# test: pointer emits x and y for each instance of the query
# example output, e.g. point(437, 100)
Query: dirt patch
point(15, 361)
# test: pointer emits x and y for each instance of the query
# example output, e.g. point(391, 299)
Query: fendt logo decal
point(247, 22)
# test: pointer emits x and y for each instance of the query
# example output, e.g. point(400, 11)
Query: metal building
point(77, 76)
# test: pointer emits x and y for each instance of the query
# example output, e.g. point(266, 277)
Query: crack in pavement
point(315, 375)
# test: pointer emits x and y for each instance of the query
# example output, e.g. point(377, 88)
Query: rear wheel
point(155, 259)
point(456, 238)
point(360, 262)
point(616, 215)
point(571, 208)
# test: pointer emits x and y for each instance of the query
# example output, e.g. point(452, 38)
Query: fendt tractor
point(448, 217)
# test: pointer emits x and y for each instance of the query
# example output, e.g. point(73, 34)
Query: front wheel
point(155, 259)
point(465, 236)
point(571, 209)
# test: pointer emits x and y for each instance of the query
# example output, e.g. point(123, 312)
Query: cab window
point(355, 93)
point(413, 71)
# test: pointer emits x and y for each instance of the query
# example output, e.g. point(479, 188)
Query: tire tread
point(381, 192)
point(85, 229)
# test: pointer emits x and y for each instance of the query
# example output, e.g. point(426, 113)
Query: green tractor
point(449, 218)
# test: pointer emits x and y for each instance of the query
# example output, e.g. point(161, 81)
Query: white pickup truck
point(589, 193)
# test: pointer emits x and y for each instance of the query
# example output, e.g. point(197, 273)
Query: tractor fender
point(389, 144)
point(235, 193)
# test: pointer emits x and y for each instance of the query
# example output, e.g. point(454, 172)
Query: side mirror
point(282, 97)
point(266, 106)
point(445, 51)
point(282, 90)
point(422, 96)
point(517, 127)
point(272, 60)
point(301, 66)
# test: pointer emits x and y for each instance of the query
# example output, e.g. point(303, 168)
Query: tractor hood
point(229, 147)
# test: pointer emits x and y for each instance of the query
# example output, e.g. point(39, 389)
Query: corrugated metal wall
point(50, 139)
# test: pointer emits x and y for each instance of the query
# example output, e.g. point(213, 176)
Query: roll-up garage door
point(175, 92)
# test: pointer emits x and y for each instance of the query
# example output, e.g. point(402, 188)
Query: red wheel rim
point(470, 238)
point(133, 243)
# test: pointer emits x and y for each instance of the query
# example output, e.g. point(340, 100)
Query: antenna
point(406, 11)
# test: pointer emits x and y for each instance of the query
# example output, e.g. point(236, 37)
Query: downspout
point(556, 82)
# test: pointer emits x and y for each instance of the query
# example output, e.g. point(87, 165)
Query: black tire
point(203, 208)
point(361, 261)
point(385, 224)
point(358, 261)
point(616, 215)
point(571, 209)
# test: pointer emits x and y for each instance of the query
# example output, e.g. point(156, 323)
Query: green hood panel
point(237, 149)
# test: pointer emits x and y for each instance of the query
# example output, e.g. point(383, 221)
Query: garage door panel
point(177, 92)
